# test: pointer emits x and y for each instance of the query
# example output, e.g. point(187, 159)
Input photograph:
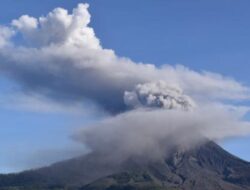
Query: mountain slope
point(206, 167)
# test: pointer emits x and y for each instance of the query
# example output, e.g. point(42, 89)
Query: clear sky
point(209, 35)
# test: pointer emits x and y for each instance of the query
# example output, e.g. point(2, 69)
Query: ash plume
point(153, 133)
point(60, 58)
point(158, 95)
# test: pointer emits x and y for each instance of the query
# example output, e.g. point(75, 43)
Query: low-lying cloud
point(154, 132)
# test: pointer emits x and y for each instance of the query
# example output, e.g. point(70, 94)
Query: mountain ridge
point(206, 167)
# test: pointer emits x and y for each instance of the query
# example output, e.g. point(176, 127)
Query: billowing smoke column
point(158, 95)
point(58, 56)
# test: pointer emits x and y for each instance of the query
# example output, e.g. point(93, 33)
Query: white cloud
point(61, 58)
point(5, 35)
point(25, 23)
point(58, 27)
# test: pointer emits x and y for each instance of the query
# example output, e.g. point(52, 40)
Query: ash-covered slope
point(205, 167)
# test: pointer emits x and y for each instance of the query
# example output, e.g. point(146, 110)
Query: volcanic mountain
point(203, 167)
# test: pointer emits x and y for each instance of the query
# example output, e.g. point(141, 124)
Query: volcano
point(203, 167)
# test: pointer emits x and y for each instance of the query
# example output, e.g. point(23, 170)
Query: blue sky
point(202, 35)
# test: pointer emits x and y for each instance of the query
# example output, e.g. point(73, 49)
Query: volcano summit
point(205, 167)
